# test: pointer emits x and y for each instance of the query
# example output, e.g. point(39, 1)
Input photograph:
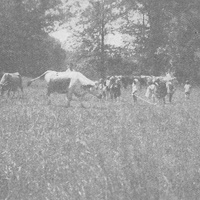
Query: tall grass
point(111, 150)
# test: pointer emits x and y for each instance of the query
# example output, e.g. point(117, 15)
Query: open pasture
point(110, 150)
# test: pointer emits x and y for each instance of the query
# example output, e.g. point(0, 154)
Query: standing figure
point(170, 90)
point(150, 92)
point(187, 89)
point(71, 67)
point(160, 90)
point(112, 87)
point(134, 90)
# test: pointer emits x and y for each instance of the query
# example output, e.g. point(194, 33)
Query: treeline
point(25, 44)
point(157, 35)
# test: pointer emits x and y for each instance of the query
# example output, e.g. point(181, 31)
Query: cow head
point(5, 78)
point(93, 89)
point(4, 84)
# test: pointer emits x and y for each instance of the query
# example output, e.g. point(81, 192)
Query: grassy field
point(110, 150)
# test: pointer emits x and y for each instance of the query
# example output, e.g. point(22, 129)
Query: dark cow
point(160, 90)
point(126, 81)
point(11, 82)
point(115, 89)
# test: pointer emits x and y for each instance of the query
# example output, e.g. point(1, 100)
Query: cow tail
point(29, 82)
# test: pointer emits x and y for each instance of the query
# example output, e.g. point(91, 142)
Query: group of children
point(170, 90)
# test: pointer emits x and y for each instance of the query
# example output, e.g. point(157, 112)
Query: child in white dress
point(187, 89)
point(134, 90)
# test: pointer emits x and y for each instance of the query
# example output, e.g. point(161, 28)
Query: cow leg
point(17, 92)
point(21, 88)
point(68, 98)
point(8, 93)
point(170, 97)
point(13, 93)
point(134, 98)
point(114, 95)
point(164, 101)
point(48, 97)
point(111, 95)
point(2, 92)
point(80, 98)
point(120, 98)
point(154, 98)
point(106, 95)
point(22, 91)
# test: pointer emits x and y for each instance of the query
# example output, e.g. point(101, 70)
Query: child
point(150, 92)
point(170, 90)
point(187, 89)
point(134, 90)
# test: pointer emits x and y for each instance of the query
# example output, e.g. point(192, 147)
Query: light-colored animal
point(148, 80)
point(69, 83)
point(11, 82)
point(167, 77)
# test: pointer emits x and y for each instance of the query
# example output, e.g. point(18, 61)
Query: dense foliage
point(158, 35)
point(25, 44)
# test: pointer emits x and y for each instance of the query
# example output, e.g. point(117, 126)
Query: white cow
point(69, 83)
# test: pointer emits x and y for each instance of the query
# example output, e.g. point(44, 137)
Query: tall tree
point(95, 23)
point(168, 38)
point(25, 43)
point(148, 31)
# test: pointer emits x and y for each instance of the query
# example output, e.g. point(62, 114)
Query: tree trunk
point(155, 37)
point(102, 67)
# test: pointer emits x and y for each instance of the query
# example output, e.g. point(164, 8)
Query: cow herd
point(67, 82)
point(71, 83)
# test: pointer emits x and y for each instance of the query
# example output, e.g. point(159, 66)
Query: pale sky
point(65, 38)
point(64, 35)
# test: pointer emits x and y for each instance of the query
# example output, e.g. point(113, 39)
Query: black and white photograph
point(99, 99)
